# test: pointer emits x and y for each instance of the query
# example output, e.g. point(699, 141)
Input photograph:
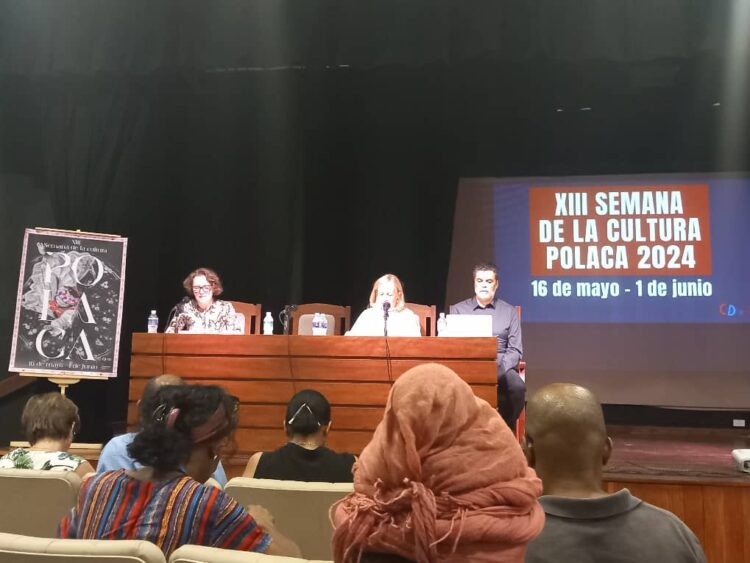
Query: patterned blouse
point(21, 458)
point(220, 317)
point(169, 513)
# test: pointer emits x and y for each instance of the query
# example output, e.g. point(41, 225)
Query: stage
point(690, 472)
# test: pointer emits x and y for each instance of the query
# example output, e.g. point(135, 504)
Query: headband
point(215, 424)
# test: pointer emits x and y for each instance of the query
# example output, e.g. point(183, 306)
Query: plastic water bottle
point(316, 325)
point(323, 324)
point(268, 323)
point(153, 322)
point(442, 325)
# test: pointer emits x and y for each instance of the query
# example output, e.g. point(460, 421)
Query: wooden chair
point(299, 508)
point(521, 422)
point(252, 313)
point(427, 317)
point(34, 501)
point(29, 549)
point(342, 316)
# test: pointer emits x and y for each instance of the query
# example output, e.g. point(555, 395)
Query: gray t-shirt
point(617, 528)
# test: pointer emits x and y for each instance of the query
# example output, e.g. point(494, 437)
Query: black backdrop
point(304, 148)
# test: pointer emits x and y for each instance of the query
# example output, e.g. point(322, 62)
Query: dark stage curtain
point(304, 148)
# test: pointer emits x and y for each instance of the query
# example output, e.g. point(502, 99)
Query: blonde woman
point(394, 316)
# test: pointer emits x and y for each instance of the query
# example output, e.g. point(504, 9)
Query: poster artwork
point(69, 304)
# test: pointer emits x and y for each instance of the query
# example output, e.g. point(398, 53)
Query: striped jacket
point(168, 513)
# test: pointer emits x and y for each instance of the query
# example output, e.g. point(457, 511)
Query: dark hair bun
point(306, 412)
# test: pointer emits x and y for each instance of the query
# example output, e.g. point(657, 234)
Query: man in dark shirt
point(566, 443)
point(511, 390)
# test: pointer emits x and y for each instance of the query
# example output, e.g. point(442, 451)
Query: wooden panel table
point(265, 371)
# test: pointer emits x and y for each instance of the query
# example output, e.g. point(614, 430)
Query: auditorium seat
point(34, 502)
point(26, 549)
point(342, 316)
point(201, 554)
point(252, 314)
point(427, 317)
point(299, 508)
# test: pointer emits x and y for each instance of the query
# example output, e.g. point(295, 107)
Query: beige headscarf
point(443, 480)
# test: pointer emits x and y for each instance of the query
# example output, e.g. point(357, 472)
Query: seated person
point(50, 422)
point(304, 457)
point(511, 389)
point(442, 480)
point(203, 313)
point(567, 443)
point(164, 501)
point(400, 320)
point(115, 454)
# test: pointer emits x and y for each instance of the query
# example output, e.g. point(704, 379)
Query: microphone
point(386, 307)
point(284, 316)
point(177, 308)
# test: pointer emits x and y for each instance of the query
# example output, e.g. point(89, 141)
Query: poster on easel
point(69, 304)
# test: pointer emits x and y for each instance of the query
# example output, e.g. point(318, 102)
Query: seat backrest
point(26, 549)
point(202, 554)
point(521, 422)
point(252, 313)
point(427, 317)
point(299, 508)
point(342, 316)
point(34, 501)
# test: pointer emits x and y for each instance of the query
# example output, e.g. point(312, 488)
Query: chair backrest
point(34, 501)
point(252, 313)
point(521, 422)
point(342, 316)
point(427, 317)
point(202, 554)
point(26, 549)
point(300, 509)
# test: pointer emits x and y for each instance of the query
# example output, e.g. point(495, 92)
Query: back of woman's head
point(51, 415)
point(307, 412)
point(179, 417)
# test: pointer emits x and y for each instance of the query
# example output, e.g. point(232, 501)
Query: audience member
point(567, 443)
point(164, 502)
point(115, 454)
point(443, 480)
point(305, 456)
point(387, 309)
point(50, 422)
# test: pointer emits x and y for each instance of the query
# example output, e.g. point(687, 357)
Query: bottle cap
point(153, 311)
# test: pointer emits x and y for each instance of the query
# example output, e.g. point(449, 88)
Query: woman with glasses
point(204, 313)
point(50, 422)
point(387, 311)
point(305, 456)
point(165, 502)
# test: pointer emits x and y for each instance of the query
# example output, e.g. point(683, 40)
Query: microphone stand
point(284, 317)
point(173, 313)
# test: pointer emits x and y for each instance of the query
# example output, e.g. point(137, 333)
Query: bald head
point(153, 385)
point(565, 432)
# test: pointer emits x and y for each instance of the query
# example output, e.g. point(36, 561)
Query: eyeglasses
point(202, 288)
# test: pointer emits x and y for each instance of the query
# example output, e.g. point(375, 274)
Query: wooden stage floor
point(676, 455)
